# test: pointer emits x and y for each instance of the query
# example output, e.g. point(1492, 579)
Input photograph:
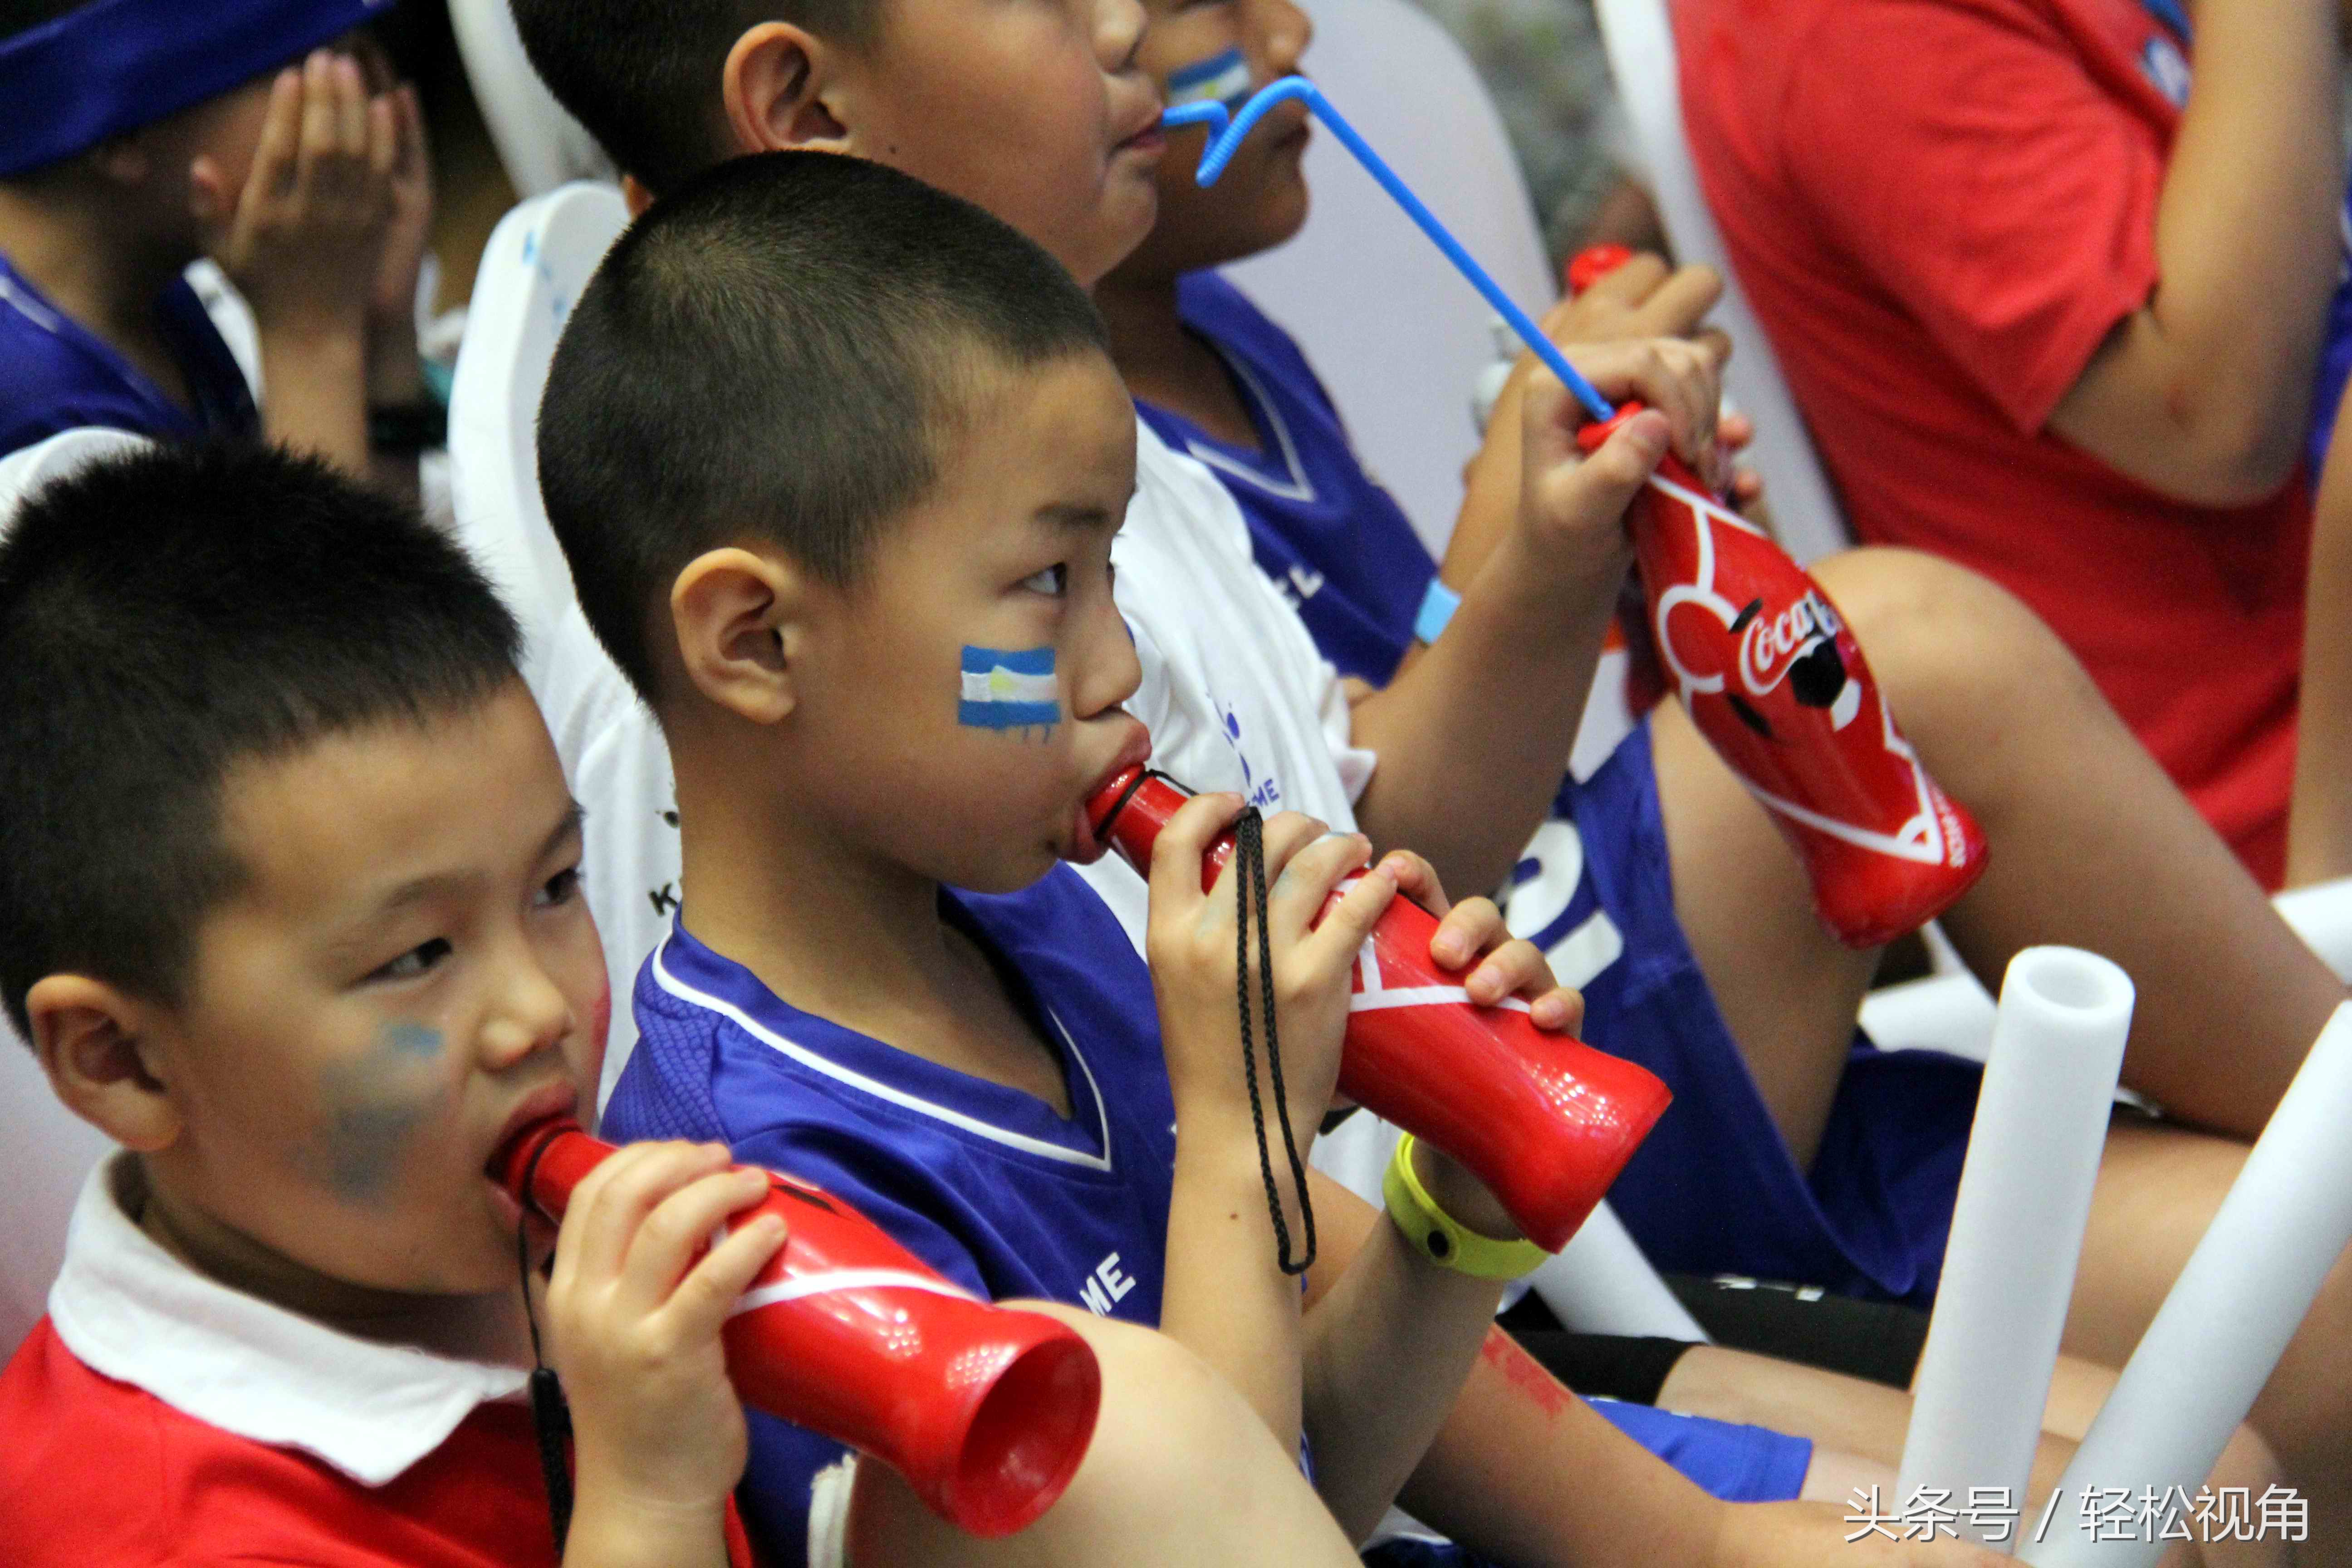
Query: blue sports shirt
point(985, 1183)
point(1331, 539)
point(57, 375)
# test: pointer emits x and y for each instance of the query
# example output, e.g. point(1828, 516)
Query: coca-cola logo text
point(1771, 644)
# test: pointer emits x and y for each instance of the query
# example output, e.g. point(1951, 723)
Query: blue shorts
point(1714, 1190)
point(1736, 1464)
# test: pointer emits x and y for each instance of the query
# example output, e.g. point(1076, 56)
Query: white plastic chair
point(1639, 37)
point(540, 144)
point(1394, 332)
point(50, 1150)
point(538, 259)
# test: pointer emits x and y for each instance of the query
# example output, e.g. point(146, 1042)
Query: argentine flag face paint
point(1010, 689)
point(1221, 79)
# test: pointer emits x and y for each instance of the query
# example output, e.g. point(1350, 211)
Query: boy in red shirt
point(2054, 318)
point(289, 906)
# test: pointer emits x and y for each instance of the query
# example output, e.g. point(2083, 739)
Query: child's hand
point(1572, 507)
point(1474, 930)
point(1469, 934)
point(634, 1323)
point(304, 240)
point(395, 365)
point(1191, 946)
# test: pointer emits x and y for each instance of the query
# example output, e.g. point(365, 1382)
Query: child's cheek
point(372, 1108)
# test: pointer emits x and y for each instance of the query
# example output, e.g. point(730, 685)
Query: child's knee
point(1931, 627)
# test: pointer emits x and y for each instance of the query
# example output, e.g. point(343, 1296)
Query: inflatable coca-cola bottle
point(986, 1411)
point(1775, 681)
point(1543, 1120)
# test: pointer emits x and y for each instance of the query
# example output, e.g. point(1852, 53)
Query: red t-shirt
point(1940, 209)
point(95, 1473)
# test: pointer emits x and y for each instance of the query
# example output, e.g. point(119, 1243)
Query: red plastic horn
point(1546, 1121)
point(1775, 681)
point(986, 1411)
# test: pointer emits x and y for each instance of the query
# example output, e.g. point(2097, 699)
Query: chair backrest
point(1397, 335)
point(1640, 38)
point(538, 261)
point(50, 1150)
point(540, 144)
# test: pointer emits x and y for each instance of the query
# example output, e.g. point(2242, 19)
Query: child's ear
point(738, 617)
point(779, 88)
point(96, 1046)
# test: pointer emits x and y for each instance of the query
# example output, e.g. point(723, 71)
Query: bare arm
point(1472, 736)
point(2319, 821)
point(1639, 300)
point(2204, 393)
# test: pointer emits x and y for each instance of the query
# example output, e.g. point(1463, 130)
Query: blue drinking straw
point(1227, 132)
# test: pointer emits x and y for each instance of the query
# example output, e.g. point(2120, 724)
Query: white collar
point(133, 1312)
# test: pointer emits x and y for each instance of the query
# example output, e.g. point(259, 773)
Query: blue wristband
point(1437, 607)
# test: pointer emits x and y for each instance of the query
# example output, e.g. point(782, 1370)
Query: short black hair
point(777, 354)
point(644, 76)
point(165, 615)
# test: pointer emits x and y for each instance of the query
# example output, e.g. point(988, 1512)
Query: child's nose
point(531, 1015)
point(1288, 32)
point(1107, 671)
point(1118, 33)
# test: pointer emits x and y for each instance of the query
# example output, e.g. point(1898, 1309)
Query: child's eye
point(561, 889)
point(417, 961)
point(1051, 582)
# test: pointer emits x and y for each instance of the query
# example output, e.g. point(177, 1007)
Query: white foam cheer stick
point(2017, 1227)
point(2221, 1331)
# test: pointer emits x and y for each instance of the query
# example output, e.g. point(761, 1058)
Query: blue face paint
point(1009, 690)
point(1221, 79)
point(412, 1039)
point(374, 1105)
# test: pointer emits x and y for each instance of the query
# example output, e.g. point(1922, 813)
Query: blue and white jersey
point(1332, 539)
point(987, 1185)
point(57, 375)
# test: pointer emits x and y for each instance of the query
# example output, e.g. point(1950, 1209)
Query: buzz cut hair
point(643, 75)
point(781, 355)
point(165, 616)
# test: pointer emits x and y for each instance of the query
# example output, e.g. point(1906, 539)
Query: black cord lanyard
point(550, 1419)
point(1249, 860)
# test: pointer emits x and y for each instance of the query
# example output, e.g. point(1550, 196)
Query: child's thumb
point(1604, 483)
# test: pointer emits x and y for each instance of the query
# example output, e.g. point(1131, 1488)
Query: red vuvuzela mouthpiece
point(986, 1411)
point(1546, 1121)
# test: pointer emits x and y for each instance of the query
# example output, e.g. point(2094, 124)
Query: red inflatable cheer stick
point(1776, 682)
point(985, 1412)
point(1544, 1120)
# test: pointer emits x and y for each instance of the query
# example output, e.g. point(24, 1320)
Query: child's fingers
point(1176, 856)
point(383, 150)
point(316, 145)
point(707, 1296)
point(1307, 881)
point(1282, 836)
point(1515, 968)
point(1469, 929)
point(416, 158)
point(1676, 307)
point(1417, 879)
point(676, 1229)
point(613, 1200)
point(351, 110)
point(1343, 934)
point(275, 156)
point(1558, 1011)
